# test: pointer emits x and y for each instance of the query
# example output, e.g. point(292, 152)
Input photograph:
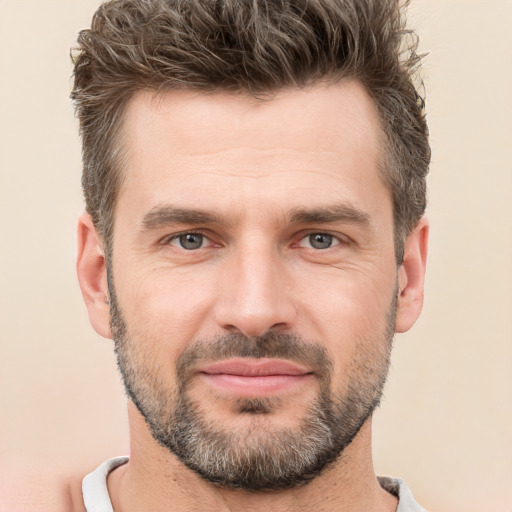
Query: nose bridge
point(254, 298)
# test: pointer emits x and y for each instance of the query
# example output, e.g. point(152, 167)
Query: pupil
point(320, 241)
point(191, 241)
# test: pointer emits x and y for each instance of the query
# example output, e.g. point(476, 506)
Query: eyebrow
point(334, 213)
point(161, 216)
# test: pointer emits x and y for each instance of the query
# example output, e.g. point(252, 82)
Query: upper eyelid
point(167, 238)
point(339, 236)
point(343, 238)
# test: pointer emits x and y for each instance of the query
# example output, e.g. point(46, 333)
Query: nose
point(254, 296)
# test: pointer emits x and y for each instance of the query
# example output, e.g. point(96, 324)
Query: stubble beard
point(260, 457)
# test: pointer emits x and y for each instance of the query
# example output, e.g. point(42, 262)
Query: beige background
point(446, 423)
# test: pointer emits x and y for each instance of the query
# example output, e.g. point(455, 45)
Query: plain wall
point(445, 425)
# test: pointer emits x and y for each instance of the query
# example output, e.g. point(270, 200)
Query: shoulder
point(398, 488)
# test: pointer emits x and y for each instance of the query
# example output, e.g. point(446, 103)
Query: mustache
point(270, 345)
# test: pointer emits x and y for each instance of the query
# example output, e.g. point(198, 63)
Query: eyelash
point(337, 239)
point(168, 240)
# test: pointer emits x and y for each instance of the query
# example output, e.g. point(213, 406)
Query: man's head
point(255, 47)
point(251, 270)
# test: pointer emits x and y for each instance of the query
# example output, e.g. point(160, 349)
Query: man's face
point(255, 278)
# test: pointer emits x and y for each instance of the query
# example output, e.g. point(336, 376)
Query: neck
point(154, 479)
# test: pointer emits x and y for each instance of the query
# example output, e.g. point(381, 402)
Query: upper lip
point(253, 367)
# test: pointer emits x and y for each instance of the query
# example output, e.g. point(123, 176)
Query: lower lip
point(256, 386)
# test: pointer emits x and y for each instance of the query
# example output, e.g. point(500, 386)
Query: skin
point(253, 164)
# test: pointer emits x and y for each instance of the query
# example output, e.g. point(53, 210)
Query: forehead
point(179, 143)
point(321, 117)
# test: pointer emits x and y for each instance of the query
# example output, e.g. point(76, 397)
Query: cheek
point(165, 309)
point(348, 298)
point(349, 316)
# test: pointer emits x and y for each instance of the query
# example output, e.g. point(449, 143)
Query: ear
point(411, 277)
point(92, 275)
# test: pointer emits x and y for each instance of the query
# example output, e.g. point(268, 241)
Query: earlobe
point(411, 277)
point(92, 275)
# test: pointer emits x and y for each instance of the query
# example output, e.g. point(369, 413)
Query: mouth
point(254, 378)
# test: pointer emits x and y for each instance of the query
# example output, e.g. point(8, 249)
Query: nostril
point(280, 326)
point(254, 327)
point(232, 328)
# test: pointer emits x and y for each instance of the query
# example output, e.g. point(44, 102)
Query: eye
point(188, 241)
point(319, 241)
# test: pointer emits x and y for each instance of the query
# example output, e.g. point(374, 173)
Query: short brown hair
point(255, 46)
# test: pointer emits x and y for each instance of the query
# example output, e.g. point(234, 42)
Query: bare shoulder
point(41, 489)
